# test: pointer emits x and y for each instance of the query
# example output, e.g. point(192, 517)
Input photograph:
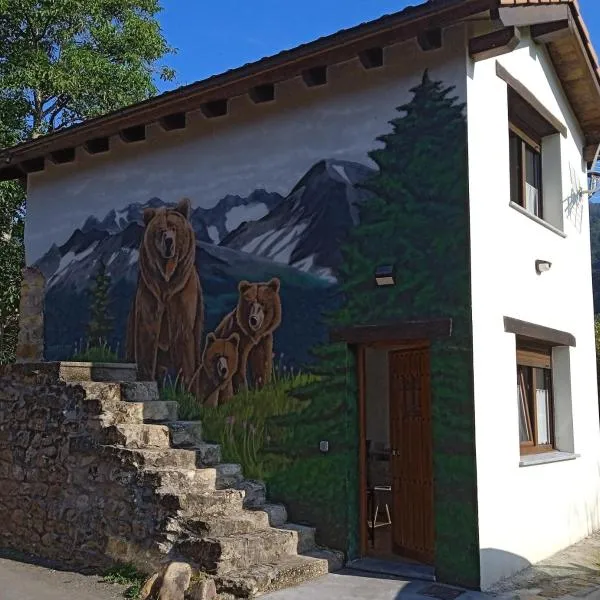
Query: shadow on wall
point(500, 567)
point(570, 570)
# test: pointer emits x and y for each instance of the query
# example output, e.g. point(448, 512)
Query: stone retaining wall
point(62, 497)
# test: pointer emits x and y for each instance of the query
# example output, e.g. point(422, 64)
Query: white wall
point(527, 513)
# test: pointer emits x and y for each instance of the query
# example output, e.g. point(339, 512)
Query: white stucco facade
point(527, 513)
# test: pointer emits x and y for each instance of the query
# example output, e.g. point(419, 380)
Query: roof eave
point(28, 156)
point(333, 49)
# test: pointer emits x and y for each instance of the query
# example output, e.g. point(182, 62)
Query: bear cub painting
point(219, 364)
point(256, 317)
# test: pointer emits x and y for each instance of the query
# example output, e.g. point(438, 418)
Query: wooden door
point(412, 456)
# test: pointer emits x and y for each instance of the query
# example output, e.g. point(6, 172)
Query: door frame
point(362, 423)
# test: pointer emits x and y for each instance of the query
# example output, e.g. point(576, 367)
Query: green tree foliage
point(101, 321)
point(11, 263)
point(63, 61)
point(417, 219)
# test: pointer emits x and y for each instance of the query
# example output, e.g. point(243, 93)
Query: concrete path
point(572, 573)
point(354, 585)
point(23, 581)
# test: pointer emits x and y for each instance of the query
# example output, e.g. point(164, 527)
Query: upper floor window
point(526, 171)
point(535, 160)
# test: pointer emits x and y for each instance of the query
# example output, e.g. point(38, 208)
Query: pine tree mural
point(100, 325)
point(418, 220)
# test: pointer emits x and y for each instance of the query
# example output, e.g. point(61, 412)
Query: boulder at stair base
point(171, 584)
point(175, 582)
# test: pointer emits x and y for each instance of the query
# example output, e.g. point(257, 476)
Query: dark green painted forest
point(423, 163)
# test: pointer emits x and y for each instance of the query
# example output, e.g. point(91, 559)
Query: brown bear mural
point(167, 316)
point(256, 317)
point(214, 383)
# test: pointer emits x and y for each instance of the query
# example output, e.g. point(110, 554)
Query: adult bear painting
point(256, 317)
point(167, 316)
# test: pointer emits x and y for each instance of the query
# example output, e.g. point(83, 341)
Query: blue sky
point(213, 37)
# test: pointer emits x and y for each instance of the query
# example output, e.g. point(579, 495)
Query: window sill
point(529, 460)
point(545, 224)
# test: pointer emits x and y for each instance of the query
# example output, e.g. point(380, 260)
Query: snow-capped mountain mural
point(305, 231)
point(231, 211)
point(296, 238)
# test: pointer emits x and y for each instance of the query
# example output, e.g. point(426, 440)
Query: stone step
point(159, 411)
point(185, 433)
point(288, 572)
point(221, 555)
point(95, 371)
point(160, 458)
point(138, 436)
point(232, 524)
point(203, 503)
point(208, 455)
point(180, 481)
point(306, 536)
point(132, 413)
point(256, 493)
point(185, 481)
point(229, 475)
point(277, 514)
point(121, 413)
point(122, 391)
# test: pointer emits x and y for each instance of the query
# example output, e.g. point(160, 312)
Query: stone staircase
point(218, 521)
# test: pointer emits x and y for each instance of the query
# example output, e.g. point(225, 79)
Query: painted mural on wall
point(229, 308)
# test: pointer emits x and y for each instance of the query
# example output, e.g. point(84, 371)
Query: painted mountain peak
point(306, 230)
point(265, 234)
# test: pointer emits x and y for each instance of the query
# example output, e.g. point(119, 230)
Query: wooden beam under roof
point(135, 133)
point(65, 155)
point(494, 43)
point(262, 93)
point(173, 121)
point(315, 77)
point(544, 33)
point(215, 108)
point(33, 165)
point(97, 145)
point(430, 39)
point(372, 58)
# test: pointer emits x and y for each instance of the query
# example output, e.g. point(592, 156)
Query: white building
point(466, 398)
point(530, 506)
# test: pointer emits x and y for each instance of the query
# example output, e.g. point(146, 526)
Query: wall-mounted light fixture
point(541, 266)
point(384, 275)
